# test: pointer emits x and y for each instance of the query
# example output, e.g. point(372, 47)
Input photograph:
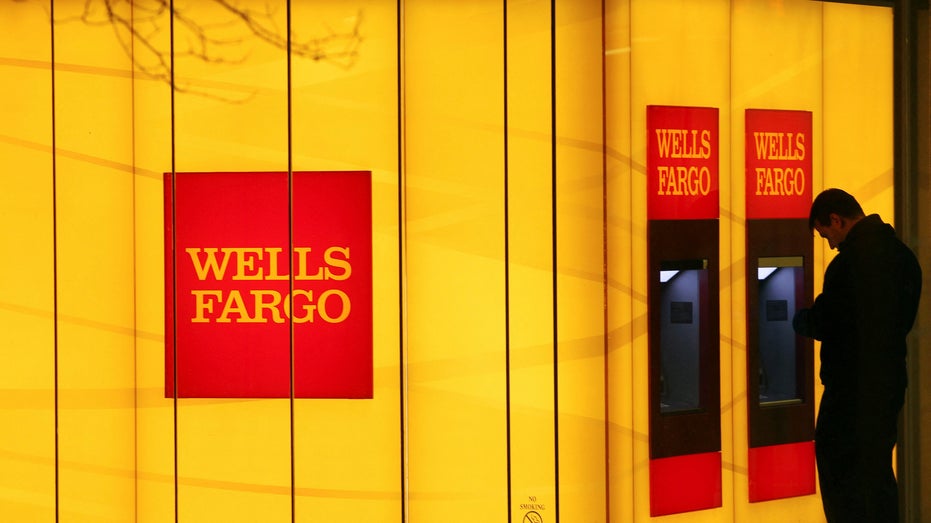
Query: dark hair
point(833, 201)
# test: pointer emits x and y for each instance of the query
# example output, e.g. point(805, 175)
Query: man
point(867, 306)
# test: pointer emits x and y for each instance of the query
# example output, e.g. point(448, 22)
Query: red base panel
point(782, 471)
point(685, 483)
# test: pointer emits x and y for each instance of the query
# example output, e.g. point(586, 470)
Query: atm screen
point(778, 279)
point(683, 290)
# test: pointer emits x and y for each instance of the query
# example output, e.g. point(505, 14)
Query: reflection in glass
point(778, 279)
point(683, 286)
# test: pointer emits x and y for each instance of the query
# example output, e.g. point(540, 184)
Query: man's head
point(832, 215)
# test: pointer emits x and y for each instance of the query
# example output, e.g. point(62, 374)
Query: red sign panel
point(778, 157)
point(246, 283)
point(682, 163)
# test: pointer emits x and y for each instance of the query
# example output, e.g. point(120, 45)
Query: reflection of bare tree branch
point(340, 49)
point(139, 26)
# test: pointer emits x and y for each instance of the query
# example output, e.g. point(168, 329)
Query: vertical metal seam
point(555, 282)
point(507, 263)
point(604, 246)
point(55, 261)
point(132, 119)
point(174, 280)
point(630, 195)
point(291, 351)
point(402, 360)
point(730, 248)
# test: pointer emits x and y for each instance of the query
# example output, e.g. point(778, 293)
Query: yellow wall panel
point(347, 454)
point(620, 206)
point(454, 196)
point(231, 111)
point(858, 131)
point(93, 124)
point(27, 410)
point(580, 259)
point(530, 276)
point(233, 460)
point(155, 415)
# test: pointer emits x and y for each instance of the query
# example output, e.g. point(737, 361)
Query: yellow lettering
point(662, 173)
point(332, 306)
point(706, 144)
point(759, 139)
point(273, 273)
point(662, 140)
point(234, 305)
point(799, 181)
point(210, 263)
point(344, 304)
point(302, 265)
point(245, 268)
point(683, 180)
point(676, 142)
point(307, 308)
point(774, 139)
point(760, 175)
point(341, 262)
point(261, 305)
point(202, 305)
point(684, 143)
point(780, 181)
point(779, 146)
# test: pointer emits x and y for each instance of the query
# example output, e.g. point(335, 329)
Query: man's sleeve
point(829, 316)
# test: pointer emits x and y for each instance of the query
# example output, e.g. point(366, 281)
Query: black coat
point(866, 308)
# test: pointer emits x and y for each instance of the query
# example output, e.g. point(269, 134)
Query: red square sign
point(682, 163)
point(247, 285)
point(778, 156)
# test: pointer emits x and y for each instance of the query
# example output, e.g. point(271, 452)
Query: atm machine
point(780, 364)
point(684, 366)
point(684, 328)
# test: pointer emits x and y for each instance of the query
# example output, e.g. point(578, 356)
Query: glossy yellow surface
point(510, 349)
